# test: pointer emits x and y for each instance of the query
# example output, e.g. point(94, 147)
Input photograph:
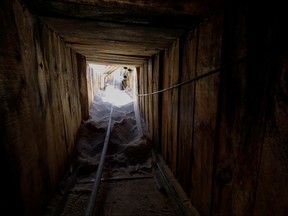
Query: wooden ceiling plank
point(110, 31)
point(113, 43)
point(110, 50)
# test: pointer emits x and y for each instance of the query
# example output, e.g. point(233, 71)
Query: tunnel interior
point(208, 82)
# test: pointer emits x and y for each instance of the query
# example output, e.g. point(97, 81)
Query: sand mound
point(128, 150)
point(129, 185)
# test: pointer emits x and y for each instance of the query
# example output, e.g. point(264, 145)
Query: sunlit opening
point(116, 97)
point(114, 84)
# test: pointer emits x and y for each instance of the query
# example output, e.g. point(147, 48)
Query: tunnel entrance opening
point(114, 84)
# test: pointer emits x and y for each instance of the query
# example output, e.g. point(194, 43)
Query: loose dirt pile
point(130, 185)
point(129, 152)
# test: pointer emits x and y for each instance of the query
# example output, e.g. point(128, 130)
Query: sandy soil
point(131, 183)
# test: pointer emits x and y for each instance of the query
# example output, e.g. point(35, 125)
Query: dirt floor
point(135, 181)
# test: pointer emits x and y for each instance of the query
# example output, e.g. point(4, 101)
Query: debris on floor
point(130, 183)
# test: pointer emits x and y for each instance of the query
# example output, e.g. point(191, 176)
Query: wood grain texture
point(184, 14)
point(245, 86)
point(82, 82)
point(150, 99)
point(268, 49)
point(169, 107)
point(111, 41)
point(186, 111)
point(145, 90)
point(273, 173)
point(164, 107)
point(155, 101)
point(40, 108)
point(206, 102)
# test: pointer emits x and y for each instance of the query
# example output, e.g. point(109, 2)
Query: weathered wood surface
point(205, 112)
point(121, 29)
point(140, 77)
point(235, 157)
point(186, 110)
point(109, 47)
point(230, 151)
point(145, 78)
point(40, 109)
point(113, 59)
point(184, 14)
point(112, 42)
point(232, 132)
point(155, 101)
point(150, 105)
point(145, 88)
point(111, 31)
point(93, 80)
point(169, 106)
point(164, 107)
point(197, 8)
point(272, 193)
point(251, 167)
point(82, 79)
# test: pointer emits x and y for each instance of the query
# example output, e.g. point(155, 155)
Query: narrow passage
point(131, 183)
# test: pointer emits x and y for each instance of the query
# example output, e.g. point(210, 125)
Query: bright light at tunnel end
point(116, 97)
point(111, 89)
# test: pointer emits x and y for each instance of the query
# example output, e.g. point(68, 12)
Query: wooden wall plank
point(237, 147)
point(145, 90)
point(204, 141)
point(106, 31)
point(227, 152)
point(206, 103)
point(150, 105)
point(164, 108)
point(155, 101)
point(125, 7)
point(250, 115)
point(34, 109)
point(186, 111)
point(272, 193)
point(140, 73)
point(169, 108)
point(243, 108)
point(82, 82)
point(174, 74)
point(195, 170)
point(129, 48)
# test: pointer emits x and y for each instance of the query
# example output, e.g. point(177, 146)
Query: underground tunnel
point(122, 107)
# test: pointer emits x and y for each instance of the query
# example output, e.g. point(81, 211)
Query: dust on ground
point(130, 185)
